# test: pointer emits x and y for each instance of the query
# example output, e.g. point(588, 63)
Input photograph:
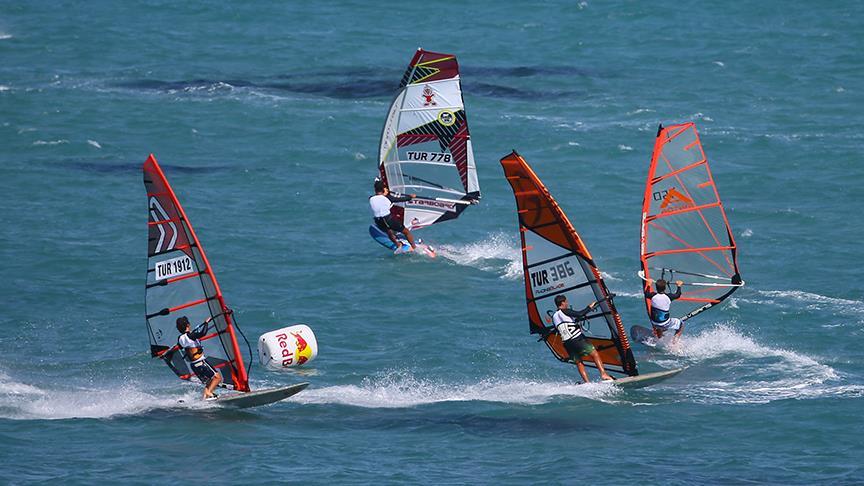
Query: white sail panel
point(425, 145)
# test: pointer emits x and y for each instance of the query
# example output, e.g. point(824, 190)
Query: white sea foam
point(497, 253)
point(4, 88)
point(640, 110)
point(50, 142)
point(94, 143)
point(723, 339)
point(623, 293)
point(22, 401)
point(400, 390)
point(747, 233)
point(4, 36)
point(625, 148)
point(758, 373)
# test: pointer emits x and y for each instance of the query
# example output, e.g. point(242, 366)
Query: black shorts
point(203, 371)
point(386, 222)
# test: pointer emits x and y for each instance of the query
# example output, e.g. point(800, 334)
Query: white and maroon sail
point(180, 282)
point(426, 146)
point(555, 261)
point(685, 233)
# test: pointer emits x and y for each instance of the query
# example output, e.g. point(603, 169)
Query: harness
point(576, 328)
point(659, 316)
point(185, 353)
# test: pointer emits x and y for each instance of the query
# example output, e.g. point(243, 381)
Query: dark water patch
point(510, 92)
point(134, 167)
point(368, 83)
point(529, 71)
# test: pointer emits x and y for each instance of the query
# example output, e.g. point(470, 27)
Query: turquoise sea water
point(265, 117)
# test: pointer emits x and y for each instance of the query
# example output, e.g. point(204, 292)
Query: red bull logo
point(304, 352)
point(301, 353)
point(287, 355)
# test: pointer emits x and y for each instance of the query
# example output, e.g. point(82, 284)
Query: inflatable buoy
point(287, 347)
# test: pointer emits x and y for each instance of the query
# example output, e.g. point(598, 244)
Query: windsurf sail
point(555, 261)
point(426, 146)
point(180, 282)
point(685, 232)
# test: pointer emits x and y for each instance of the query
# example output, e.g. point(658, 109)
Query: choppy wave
point(497, 253)
point(400, 390)
point(795, 298)
point(22, 401)
point(753, 372)
point(811, 298)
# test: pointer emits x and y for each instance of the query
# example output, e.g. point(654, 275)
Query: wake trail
point(751, 372)
point(22, 401)
point(497, 253)
point(402, 390)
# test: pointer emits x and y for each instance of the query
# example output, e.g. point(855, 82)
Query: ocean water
point(265, 117)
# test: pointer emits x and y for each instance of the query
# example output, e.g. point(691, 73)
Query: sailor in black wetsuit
point(189, 343)
point(381, 203)
point(566, 321)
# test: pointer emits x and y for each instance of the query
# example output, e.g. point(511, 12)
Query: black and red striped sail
point(180, 282)
point(426, 145)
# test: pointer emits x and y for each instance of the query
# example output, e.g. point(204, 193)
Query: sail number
point(429, 156)
point(174, 267)
point(552, 274)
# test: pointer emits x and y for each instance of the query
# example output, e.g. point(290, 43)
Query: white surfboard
point(260, 397)
point(646, 379)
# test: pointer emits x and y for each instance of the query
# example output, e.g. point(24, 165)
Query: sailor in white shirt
point(380, 204)
point(661, 302)
point(566, 321)
point(189, 343)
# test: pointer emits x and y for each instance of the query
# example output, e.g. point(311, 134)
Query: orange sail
point(555, 261)
point(685, 233)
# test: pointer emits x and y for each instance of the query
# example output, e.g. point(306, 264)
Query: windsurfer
point(660, 304)
point(381, 203)
point(189, 343)
point(566, 321)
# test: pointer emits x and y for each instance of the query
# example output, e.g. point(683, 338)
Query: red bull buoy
point(287, 347)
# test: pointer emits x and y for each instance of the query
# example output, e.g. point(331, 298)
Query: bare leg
point(410, 237)
point(658, 333)
point(208, 392)
point(392, 236)
point(582, 372)
point(599, 362)
point(678, 334)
